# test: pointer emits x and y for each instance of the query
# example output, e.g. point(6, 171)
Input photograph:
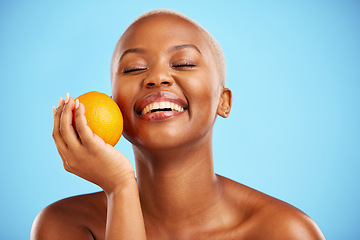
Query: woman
point(163, 57)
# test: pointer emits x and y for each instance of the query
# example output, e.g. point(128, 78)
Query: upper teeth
point(161, 105)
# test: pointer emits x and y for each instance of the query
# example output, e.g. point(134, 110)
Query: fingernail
point(77, 104)
point(67, 97)
point(54, 110)
point(60, 100)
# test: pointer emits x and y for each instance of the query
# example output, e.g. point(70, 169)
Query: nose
point(158, 77)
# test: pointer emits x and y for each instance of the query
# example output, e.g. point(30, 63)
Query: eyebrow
point(174, 48)
point(182, 46)
point(131, 50)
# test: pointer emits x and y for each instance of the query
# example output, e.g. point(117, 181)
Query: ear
point(225, 103)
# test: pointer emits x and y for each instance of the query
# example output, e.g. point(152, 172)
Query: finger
point(60, 143)
point(64, 161)
point(85, 133)
point(67, 130)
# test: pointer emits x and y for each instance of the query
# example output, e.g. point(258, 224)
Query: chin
point(157, 140)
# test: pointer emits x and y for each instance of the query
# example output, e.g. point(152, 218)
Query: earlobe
point(225, 103)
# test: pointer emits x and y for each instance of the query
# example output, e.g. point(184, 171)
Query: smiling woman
point(168, 81)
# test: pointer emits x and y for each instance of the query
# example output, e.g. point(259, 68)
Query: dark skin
point(176, 195)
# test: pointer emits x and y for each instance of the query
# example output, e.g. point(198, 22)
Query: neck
point(177, 185)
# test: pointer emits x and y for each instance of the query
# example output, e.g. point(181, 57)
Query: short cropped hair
point(214, 45)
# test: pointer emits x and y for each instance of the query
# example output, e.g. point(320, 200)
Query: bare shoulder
point(266, 217)
point(279, 222)
point(79, 217)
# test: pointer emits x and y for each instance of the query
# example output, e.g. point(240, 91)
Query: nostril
point(150, 83)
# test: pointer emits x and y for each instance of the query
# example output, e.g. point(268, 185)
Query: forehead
point(162, 30)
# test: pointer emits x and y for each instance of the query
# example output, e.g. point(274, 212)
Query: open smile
point(160, 106)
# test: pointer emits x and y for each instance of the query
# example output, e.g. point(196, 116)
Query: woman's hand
point(84, 153)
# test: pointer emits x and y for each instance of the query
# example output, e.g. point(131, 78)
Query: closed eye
point(184, 65)
point(134, 70)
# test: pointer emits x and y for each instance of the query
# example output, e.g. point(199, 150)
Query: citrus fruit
point(103, 116)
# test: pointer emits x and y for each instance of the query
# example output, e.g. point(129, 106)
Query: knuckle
point(70, 165)
point(96, 148)
point(55, 133)
point(92, 150)
point(76, 161)
point(67, 108)
point(62, 129)
point(77, 113)
point(66, 167)
point(57, 113)
point(79, 128)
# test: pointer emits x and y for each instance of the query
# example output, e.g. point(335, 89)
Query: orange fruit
point(103, 116)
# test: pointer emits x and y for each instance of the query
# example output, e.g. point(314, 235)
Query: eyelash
point(189, 65)
point(132, 70)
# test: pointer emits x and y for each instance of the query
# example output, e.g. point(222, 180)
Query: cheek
point(204, 95)
point(123, 93)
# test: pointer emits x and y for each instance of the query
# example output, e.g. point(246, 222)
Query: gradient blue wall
point(293, 67)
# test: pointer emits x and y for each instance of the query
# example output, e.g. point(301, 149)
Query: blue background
point(293, 67)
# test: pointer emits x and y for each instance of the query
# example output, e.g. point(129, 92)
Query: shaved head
point(215, 48)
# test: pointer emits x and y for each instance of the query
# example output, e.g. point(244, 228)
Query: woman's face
point(166, 83)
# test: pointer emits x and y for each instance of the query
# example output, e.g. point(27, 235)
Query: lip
point(160, 96)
